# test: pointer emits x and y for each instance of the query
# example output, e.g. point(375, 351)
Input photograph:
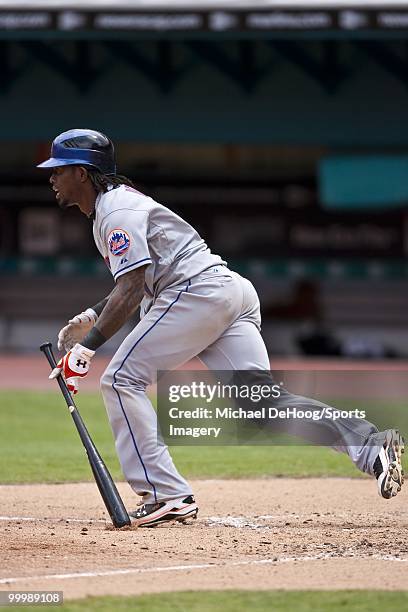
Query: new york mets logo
point(118, 242)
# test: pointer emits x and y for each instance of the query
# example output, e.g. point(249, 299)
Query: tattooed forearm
point(101, 305)
point(120, 306)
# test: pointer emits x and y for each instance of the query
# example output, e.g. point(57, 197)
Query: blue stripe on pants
point(118, 394)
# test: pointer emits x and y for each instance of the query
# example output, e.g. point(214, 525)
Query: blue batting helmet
point(82, 148)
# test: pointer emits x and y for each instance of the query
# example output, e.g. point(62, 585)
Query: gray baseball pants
point(214, 316)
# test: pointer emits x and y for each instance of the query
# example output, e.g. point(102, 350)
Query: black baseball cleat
point(387, 467)
point(150, 515)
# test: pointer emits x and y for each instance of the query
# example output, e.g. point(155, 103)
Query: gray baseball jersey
point(132, 230)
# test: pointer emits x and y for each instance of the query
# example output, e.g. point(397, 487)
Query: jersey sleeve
point(124, 238)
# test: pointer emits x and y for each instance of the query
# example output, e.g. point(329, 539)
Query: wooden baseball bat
point(106, 486)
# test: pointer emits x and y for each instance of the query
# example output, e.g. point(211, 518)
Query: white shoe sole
point(167, 514)
point(392, 478)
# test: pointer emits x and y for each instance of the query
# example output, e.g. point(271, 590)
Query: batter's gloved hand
point(77, 329)
point(73, 366)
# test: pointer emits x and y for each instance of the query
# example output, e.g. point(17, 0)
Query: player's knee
point(120, 378)
point(134, 380)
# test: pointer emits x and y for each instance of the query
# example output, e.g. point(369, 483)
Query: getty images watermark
point(208, 393)
point(248, 407)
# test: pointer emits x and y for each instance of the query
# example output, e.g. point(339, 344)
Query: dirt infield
point(250, 534)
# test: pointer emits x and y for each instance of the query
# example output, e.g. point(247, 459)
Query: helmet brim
point(55, 162)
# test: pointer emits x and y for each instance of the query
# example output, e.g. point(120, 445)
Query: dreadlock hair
point(102, 182)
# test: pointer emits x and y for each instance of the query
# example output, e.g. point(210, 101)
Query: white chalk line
point(235, 522)
point(212, 521)
point(190, 567)
point(35, 519)
point(238, 522)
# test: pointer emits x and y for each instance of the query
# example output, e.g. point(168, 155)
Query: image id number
point(31, 598)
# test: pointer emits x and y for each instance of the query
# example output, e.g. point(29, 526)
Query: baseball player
point(191, 305)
